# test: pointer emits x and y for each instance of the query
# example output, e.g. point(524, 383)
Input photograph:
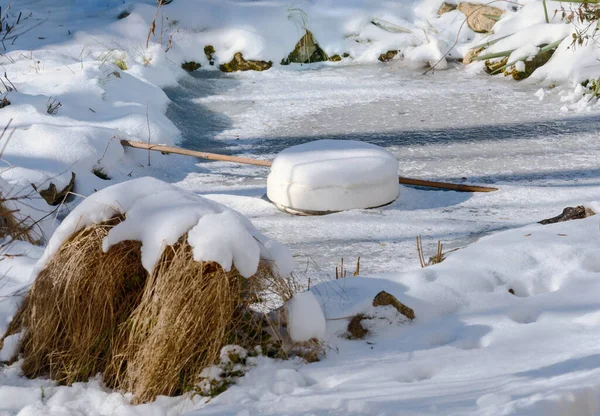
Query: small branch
point(148, 121)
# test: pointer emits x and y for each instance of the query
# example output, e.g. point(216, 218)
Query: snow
point(10, 348)
point(305, 319)
point(333, 175)
point(158, 214)
point(474, 348)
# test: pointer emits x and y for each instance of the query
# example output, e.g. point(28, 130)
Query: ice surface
point(333, 175)
point(444, 126)
point(305, 319)
point(158, 214)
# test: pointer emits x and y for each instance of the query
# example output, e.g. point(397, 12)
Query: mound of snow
point(333, 175)
point(305, 318)
point(158, 214)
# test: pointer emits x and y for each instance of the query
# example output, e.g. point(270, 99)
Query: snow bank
point(270, 30)
point(305, 318)
point(158, 214)
point(333, 175)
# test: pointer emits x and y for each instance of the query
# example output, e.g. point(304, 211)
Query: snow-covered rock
point(305, 318)
point(158, 214)
point(333, 175)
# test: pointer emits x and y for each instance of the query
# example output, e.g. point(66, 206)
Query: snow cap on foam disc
point(333, 175)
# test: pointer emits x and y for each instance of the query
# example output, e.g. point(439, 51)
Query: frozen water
point(444, 126)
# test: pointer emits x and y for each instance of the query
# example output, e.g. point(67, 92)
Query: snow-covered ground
point(473, 348)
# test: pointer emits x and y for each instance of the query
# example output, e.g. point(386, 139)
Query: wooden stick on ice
point(268, 163)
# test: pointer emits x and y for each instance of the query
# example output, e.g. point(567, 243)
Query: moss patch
point(307, 50)
point(191, 66)
point(238, 63)
point(209, 51)
point(388, 56)
point(531, 65)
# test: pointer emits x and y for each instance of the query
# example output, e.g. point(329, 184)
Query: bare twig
point(148, 121)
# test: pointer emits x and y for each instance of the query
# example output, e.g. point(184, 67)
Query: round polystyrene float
point(328, 176)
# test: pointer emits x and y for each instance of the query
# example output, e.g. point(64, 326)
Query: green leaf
point(491, 42)
point(487, 56)
point(389, 27)
point(493, 17)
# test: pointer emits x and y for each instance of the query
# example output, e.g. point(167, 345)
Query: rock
point(383, 298)
point(209, 51)
point(307, 50)
point(511, 291)
point(4, 102)
point(445, 8)
point(471, 54)
point(335, 58)
point(52, 196)
point(388, 56)
point(355, 328)
point(531, 65)
point(123, 14)
point(478, 16)
point(238, 63)
point(570, 213)
point(191, 66)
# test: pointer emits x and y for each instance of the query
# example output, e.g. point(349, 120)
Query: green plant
point(121, 64)
point(112, 55)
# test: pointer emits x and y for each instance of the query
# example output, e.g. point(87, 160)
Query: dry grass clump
point(91, 312)
point(12, 227)
point(73, 311)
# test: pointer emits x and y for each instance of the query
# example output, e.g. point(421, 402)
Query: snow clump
point(158, 214)
point(333, 175)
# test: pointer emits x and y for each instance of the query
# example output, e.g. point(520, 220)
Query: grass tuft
point(91, 312)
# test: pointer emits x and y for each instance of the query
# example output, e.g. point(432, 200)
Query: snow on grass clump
point(305, 319)
point(158, 214)
point(333, 175)
point(145, 283)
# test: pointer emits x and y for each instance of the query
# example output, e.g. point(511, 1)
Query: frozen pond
point(447, 126)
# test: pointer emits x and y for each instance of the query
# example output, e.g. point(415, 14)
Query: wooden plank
point(201, 155)
point(445, 185)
